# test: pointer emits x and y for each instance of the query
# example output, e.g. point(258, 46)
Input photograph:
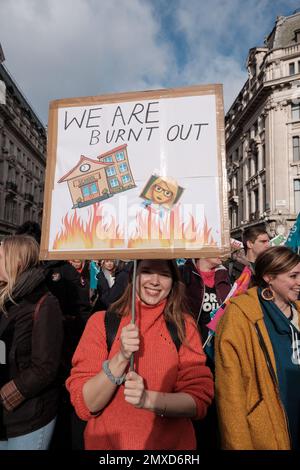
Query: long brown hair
point(21, 252)
point(273, 261)
point(175, 301)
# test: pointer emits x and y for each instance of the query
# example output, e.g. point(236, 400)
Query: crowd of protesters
point(79, 374)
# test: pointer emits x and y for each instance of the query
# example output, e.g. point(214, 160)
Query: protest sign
point(137, 175)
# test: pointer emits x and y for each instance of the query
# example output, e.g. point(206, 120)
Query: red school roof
point(81, 160)
point(116, 149)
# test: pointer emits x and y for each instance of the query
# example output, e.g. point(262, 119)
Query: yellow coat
point(251, 415)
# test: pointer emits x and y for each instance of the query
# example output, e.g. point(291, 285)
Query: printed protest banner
point(293, 239)
point(137, 175)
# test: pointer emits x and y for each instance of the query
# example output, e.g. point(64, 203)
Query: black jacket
point(67, 285)
point(107, 295)
point(72, 292)
point(235, 269)
point(33, 352)
point(195, 290)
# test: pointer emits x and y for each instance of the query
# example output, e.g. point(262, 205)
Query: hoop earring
point(267, 294)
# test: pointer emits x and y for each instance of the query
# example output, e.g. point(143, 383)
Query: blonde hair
point(20, 253)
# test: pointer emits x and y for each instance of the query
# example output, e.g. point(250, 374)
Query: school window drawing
point(114, 182)
point(123, 167)
point(125, 179)
point(120, 156)
point(89, 190)
point(91, 181)
point(111, 171)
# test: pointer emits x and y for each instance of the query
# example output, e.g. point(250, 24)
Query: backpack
point(112, 322)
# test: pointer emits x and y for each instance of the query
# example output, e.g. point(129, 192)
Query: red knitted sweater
point(121, 425)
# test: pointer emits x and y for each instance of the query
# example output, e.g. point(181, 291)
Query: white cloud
point(57, 49)
point(219, 35)
point(82, 47)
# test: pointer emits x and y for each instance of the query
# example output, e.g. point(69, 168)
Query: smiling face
point(153, 281)
point(286, 286)
point(161, 193)
point(108, 264)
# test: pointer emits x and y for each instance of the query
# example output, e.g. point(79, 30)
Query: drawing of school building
point(91, 181)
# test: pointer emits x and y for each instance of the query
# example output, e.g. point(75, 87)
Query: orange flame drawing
point(170, 233)
point(95, 234)
point(150, 231)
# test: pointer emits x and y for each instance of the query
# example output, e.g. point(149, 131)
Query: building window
point(255, 162)
point(262, 124)
point(111, 171)
point(292, 68)
point(89, 189)
point(233, 218)
point(263, 156)
point(295, 111)
point(114, 183)
point(123, 167)
point(93, 188)
point(264, 194)
point(256, 202)
point(120, 156)
point(107, 159)
point(241, 208)
point(255, 129)
point(297, 196)
point(249, 168)
point(10, 211)
point(126, 179)
point(249, 203)
point(296, 148)
point(7, 209)
point(27, 212)
point(11, 175)
point(297, 35)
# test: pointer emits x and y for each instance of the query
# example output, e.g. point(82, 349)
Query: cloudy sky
point(58, 49)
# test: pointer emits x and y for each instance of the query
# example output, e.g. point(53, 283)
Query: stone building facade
point(262, 130)
point(22, 157)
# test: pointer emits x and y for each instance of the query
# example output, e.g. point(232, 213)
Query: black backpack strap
point(111, 323)
point(185, 272)
point(172, 328)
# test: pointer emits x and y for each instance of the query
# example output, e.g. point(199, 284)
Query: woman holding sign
point(151, 407)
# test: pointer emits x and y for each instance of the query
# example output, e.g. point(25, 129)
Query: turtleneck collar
point(140, 305)
point(146, 315)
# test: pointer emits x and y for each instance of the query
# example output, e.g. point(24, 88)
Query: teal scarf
point(285, 341)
